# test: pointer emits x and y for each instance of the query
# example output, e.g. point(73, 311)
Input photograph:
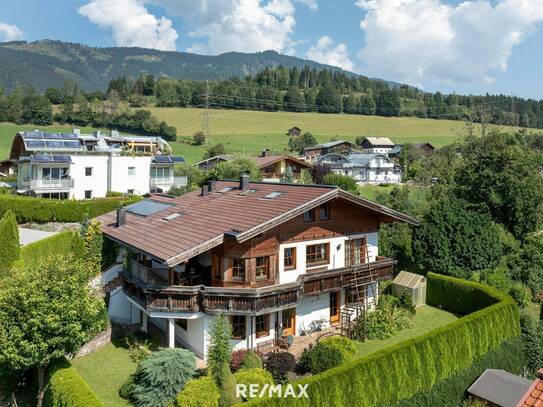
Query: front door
point(289, 321)
point(334, 307)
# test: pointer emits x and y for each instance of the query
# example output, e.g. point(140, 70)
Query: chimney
point(264, 152)
point(76, 131)
point(211, 185)
point(121, 217)
point(205, 190)
point(244, 181)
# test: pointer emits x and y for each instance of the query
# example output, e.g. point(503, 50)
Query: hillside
point(46, 63)
point(251, 131)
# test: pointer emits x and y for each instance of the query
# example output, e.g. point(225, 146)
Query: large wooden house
point(275, 258)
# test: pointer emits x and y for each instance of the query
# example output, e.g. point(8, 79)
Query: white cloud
point(131, 23)
point(312, 4)
point(235, 25)
point(416, 40)
point(9, 32)
point(325, 52)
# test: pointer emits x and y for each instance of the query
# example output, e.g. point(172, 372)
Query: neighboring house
point(212, 162)
point(294, 131)
point(503, 389)
point(370, 168)
point(8, 168)
point(276, 259)
point(377, 145)
point(85, 166)
point(425, 148)
point(314, 152)
point(273, 167)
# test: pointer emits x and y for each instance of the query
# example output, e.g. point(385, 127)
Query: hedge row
point(61, 243)
point(403, 370)
point(446, 292)
point(40, 210)
point(508, 356)
point(66, 388)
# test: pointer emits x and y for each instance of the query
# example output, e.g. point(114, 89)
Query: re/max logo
point(281, 391)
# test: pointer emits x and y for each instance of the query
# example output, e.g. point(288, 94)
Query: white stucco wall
point(122, 182)
point(337, 256)
point(97, 182)
point(311, 309)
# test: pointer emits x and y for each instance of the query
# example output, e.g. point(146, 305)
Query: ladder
point(362, 278)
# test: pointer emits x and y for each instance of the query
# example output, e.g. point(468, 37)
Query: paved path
point(27, 236)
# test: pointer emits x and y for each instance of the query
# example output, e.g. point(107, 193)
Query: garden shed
point(412, 284)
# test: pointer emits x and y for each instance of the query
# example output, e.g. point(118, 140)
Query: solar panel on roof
point(147, 207)
point(32, 135)
point(71, 144)
point(54, 144)
point(35, 143)
point(162, 159)
point(41, 158)
point(51, 135)
point(62, 159)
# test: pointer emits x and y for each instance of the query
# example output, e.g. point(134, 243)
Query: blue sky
point(475, 46)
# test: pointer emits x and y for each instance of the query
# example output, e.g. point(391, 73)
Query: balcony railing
point(48, 184)
point(233, 300)
point(168, 182)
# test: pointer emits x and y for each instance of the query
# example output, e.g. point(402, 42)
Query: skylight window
point(248, 192)
point(172, 216)
point(273, 195)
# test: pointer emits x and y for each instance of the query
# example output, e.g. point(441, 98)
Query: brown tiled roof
point(205, 220)
point(534, 395)
point(271, 159)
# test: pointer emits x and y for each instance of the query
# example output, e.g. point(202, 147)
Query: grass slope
point(105, 370)
point(426, 319)
point(249, 132)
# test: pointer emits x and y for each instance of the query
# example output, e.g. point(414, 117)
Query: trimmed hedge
point(41, 210)
point(403, 370)
point(66, 388)
point(61, 243)
point(458, 296)
point(451, 392)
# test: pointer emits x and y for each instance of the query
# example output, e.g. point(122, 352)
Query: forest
point(325, 91)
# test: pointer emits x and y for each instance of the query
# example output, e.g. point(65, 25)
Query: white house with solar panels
point(86, 166)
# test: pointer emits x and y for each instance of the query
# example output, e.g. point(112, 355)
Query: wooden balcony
point(250, 301)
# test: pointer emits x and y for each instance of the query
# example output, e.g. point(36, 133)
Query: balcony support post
point(171, 332)
point(144, 322)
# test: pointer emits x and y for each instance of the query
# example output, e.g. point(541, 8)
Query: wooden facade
point(241, 301)
point(237, 281)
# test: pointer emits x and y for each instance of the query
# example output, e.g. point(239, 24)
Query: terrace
point(165, 290)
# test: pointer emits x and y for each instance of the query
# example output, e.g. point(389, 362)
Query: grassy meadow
point(248, 132)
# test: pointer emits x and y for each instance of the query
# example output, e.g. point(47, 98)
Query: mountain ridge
point(46, 63)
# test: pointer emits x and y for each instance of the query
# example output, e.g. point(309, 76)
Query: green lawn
point(426, 319)
point(243, 131)
point(248, 132)
point(105, 370)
